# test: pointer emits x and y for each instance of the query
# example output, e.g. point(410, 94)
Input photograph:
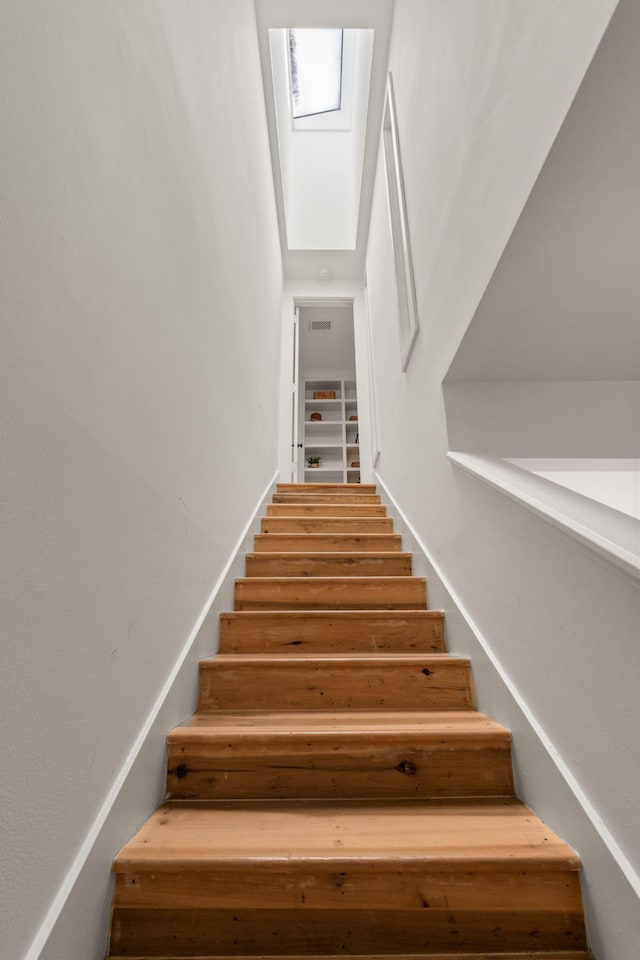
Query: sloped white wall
point(481, 91)
point(139, 386)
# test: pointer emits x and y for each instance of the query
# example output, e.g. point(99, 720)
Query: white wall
point(327, 352)
point(615, 483)
point(321, 169)
point(140, 362)
point(481, 92)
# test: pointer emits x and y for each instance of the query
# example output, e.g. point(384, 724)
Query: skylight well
point(315, 64)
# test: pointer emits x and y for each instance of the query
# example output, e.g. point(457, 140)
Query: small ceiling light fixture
point(325, 273)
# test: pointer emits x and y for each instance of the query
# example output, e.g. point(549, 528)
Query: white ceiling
point(356, 14)
point(564, 301)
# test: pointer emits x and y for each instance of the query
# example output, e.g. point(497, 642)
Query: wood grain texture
point(326, 510)
point(326, 525)
point(336, 564)
point(330, 593)
point(433, 836)
point(355, 755)
point(349, 931)
point(295, 632)
point(326, 498)
point(312, 488)
point(538, 955)
point(335, 682)
point(315, 542)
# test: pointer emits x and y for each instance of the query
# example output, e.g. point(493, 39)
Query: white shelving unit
point(335, 437)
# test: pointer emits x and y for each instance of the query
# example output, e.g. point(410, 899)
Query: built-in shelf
point(334, 438)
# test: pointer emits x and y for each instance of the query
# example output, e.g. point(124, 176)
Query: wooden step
point(336, 755)
point(365, 564)
point(326, 525)
point(324, 631)
point(310, 488)
point(529, 955)
point(313, 877)
point(332, 542)
point(330, 593)
point(354, 681)
point(326, 510)
point(326, 498)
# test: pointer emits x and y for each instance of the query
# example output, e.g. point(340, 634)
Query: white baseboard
point(611, 886)
point(138, 787)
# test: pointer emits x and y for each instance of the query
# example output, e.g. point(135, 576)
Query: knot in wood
point(407, 767)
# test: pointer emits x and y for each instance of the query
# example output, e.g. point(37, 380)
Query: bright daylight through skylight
point(315, 58)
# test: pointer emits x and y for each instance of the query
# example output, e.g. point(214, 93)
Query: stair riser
point(326, 510)
point(341, 488)
point(337, 767)
point(326, 498)
point(326, 525)
point(271, 932)
point(339, 593)
point(301, 633)
point(299, 565)
point(314, 543)
point(539, 955)
point(300, 685)
point(342, 885)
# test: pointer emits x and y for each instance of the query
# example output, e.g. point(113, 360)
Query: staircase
point(336, 792)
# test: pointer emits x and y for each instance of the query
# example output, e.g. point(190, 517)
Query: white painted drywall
point(481, 92)
point(331, 352)
point(321, 170)
point(304, 265)
point(140, 360)
point(563, 303)
point(615, 483)
point(545, 418)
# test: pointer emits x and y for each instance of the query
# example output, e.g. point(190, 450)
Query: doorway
point(326, 439)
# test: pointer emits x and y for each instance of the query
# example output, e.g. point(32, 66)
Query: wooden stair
point(336, 791)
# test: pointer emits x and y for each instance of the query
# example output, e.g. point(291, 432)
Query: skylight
point(315, 59)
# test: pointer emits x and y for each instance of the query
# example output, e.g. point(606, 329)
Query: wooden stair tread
point(335, 592)
point(293, 540)
point(529, 955)
point(326, 497)
point(335, 681)
point(349, 582)
point(434, 835)
point(381, 657)
point(343, 555)
point(434, 724)
point(299, 509)
point(297, 631)
point(318, 616)
point(328, 487)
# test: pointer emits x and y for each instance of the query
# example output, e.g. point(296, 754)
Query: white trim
point(592, 814)
point(608, 532)
point(46, 927)
point(405, 287)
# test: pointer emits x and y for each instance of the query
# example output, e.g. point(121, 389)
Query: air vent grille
point(321, 324)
